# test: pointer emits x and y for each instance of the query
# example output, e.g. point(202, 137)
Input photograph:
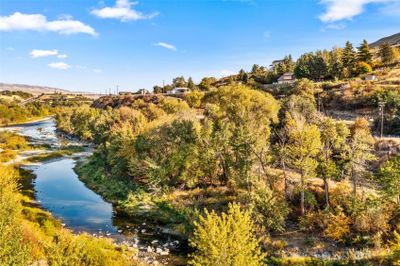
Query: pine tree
point(349, 57)
point(386, 53)
point(190, 83)
point(364, 54)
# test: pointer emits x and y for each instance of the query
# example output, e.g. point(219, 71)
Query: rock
point(108, 234)
point(159, 250)
point(149, 249)
point(143, 231)
point(143, 224)
point(154, 241)
point(119, 231)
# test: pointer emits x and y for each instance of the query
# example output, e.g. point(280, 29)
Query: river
point(59, 190)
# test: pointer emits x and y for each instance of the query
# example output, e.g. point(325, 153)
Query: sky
point(92, 45)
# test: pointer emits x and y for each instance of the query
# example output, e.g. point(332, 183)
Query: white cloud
point(62, 56)
point(166, 45)
point(42, 53)
point(337, 10)
point(38, 22)
point(59, 65)
point(96, 70)
point(392, 9)
point(123, 10)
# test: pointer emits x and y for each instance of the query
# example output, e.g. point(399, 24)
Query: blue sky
point(93, 45)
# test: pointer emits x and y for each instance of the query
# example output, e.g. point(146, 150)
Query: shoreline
point(28, 122)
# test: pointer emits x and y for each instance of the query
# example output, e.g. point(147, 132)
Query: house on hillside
point(286, 78)
point(370, 77)
point(179, 90)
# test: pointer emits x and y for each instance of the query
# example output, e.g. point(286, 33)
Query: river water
point(59, 190)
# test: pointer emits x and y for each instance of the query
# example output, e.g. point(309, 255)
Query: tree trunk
point(285, 179)
point(302, 194)
point(354, 178)
point(326, 188)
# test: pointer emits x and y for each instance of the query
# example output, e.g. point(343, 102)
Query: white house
point(370, 77)
point(286, 78)
point(179, 90)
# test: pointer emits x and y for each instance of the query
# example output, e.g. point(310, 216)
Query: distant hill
point(392, 40)
point(32, 89)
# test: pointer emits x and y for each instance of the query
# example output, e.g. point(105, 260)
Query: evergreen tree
point(386, 53)
point(389, 179)
point(364, 54)
point(190, 83)
point(335, 63)
point(349, 58)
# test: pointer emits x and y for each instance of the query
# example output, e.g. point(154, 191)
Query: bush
point(269, 209)
point(362, 68)
point(225, 240)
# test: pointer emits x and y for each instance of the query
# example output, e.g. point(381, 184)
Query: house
point(370, 77)
point(179, 90)
point(286, 78)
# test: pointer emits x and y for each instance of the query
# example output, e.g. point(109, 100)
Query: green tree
point(157, 89)
point(333, 139)
point(362, 68)
point(336, 63)
point(190, 84)
point(389, 179)
point(363, 53)
point(206, 83)
point(179, 82)
point(225, 240)
point(304, 146)
point(241, 119)
point(386, 53)
point(360, 150)
point(348, 58)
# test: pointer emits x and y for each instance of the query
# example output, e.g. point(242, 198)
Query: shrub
point(362, 68)
point(13, 250)
point(225, 240)
point(269, 209)
point(395, 245)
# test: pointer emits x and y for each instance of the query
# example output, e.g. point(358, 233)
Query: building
point(179, 90)
point(370, 77)
point(286, 78)
point(125, 93)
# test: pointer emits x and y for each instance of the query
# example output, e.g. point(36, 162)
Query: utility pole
point(381, 105)
point(117, 89)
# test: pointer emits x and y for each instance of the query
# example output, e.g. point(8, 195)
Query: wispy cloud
point(62, 56)
point(38, 22)
point(166, 45)
point(59, 65)
point(10, 48)
point(337, 10)
point(392, 9)
point(123, 10)
point(43, 53)
point(96, 70)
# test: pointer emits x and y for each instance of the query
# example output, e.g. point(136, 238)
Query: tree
point(157, 89)
point(386, 53)
point(304, 145)
point(360, 150)
point(241, 119)
point(362, 68)
point(179, 82)
point(335, 63)
point(363, 53)
point(190, 84)
point(348, 58)
point(389, 179)
point(206, 83)
point(228, 239)
point(333, 139)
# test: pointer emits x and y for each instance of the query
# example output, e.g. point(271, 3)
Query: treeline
point(11, 112)
point(267, 153)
